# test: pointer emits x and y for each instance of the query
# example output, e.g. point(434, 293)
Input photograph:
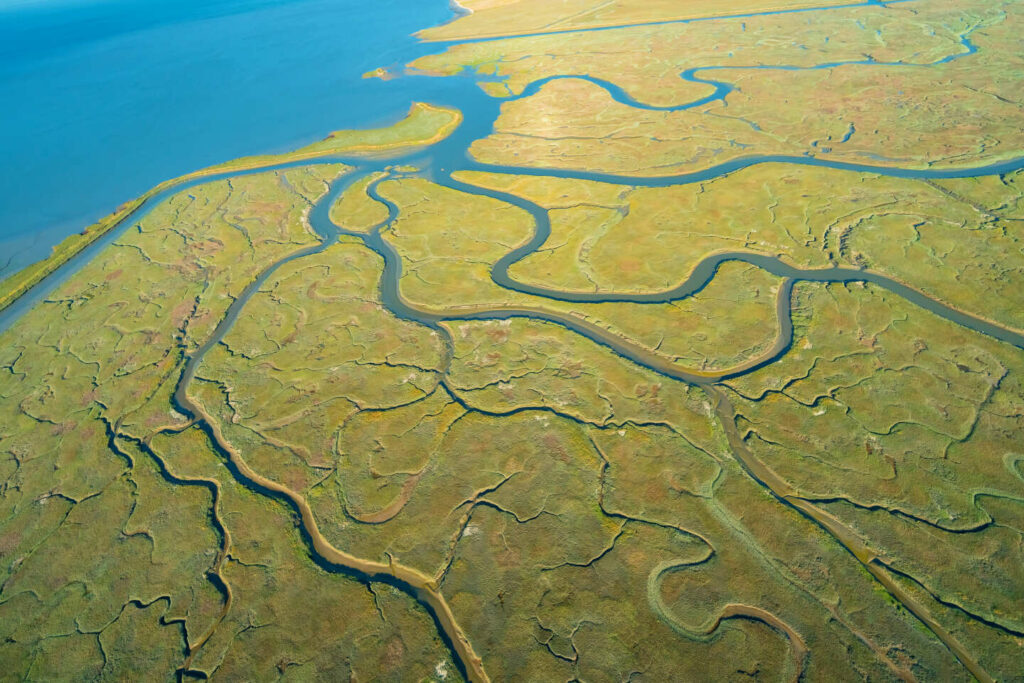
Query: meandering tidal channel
point(437, 163)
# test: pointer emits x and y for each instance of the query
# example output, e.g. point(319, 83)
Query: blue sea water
point(102, 99)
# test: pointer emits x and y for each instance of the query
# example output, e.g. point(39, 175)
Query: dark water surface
point(102, 99)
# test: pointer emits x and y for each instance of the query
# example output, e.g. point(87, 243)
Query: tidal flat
point(686, 368)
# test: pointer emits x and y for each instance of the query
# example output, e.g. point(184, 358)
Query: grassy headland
point(425, 124)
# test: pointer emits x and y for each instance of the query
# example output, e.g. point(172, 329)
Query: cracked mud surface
point(358, 419)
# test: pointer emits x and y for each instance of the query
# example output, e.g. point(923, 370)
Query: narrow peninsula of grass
point(425, 124)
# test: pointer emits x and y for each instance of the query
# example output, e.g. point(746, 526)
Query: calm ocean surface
point(102, 99)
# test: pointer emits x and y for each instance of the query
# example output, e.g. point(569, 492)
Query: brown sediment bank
point(424, 588)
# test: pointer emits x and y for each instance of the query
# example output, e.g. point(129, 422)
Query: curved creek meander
point(436, 164)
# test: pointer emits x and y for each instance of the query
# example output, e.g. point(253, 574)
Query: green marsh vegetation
point(411, 486)
point(423, 125)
